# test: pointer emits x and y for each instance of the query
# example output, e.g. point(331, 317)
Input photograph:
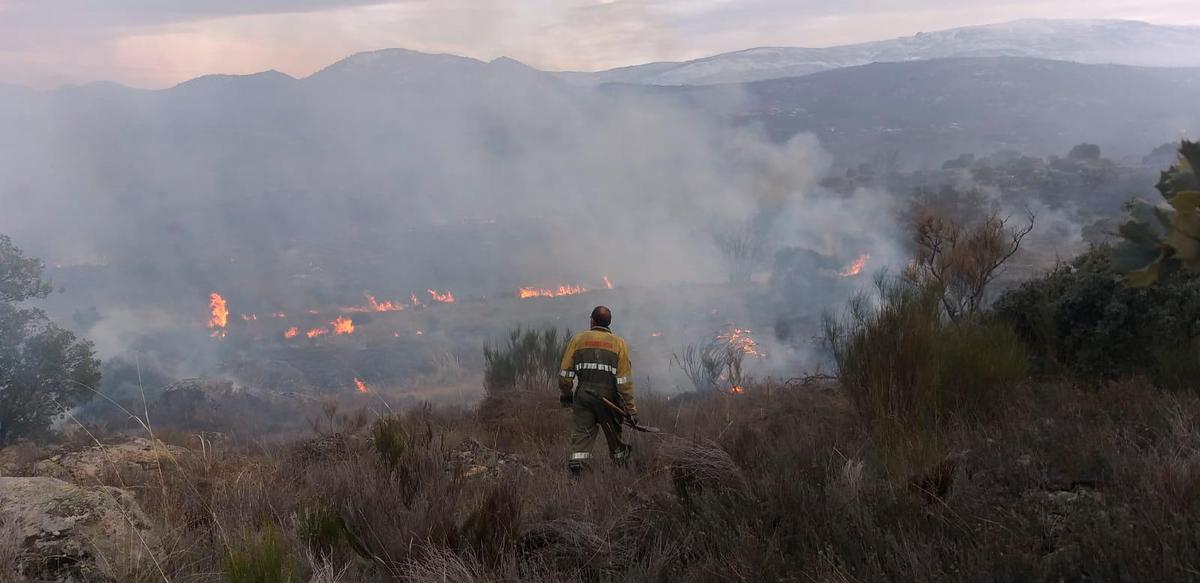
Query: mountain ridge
point(1127, 42)
point(1120, 42)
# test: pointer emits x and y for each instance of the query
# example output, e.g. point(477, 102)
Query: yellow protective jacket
point(600, 360)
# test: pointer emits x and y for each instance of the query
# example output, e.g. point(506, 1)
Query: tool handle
point(618, 410)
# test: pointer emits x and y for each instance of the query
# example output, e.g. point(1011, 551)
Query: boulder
point(68, 532)
point(133, 462)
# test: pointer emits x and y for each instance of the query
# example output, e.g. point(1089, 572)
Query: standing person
point(599, 360)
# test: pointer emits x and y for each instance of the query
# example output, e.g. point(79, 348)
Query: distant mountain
point(927, 111)
point(1082, 41)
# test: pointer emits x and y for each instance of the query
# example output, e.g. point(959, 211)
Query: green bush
point(1178, 366)
point(265, 558)
point(1080, 319)
point(321, 528)
point(907, 368)
point(885, 355)
point(390, 439)
point(528, 360)
point(978, 362)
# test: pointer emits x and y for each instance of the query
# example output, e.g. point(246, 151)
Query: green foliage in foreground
point(44, 369)
point(1080, 319)
point(265, 558)
point(1158, 241)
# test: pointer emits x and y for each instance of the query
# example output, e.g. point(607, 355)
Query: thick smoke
point(391, 172)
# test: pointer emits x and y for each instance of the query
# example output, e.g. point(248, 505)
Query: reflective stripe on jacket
point(599, 358)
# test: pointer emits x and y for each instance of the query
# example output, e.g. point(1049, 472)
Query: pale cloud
point(156, 43)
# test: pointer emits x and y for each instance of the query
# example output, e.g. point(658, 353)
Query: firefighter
point(599, 361)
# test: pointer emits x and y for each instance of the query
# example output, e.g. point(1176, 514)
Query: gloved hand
point(566, 399)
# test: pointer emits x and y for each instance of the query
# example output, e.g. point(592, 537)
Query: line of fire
point(315, 338)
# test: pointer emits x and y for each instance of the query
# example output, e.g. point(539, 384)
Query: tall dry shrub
point(907, 367)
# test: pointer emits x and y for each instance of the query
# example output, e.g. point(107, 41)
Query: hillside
point(928, 111)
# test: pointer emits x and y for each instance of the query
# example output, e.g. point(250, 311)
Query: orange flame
point(218, 314)
point(342, 325)
point(856, 268)
point(292, 332)
point(374, 305)
point(415, 301)
point(656, 334)
point(562, 290)
point(385, 306)
point(360, 385)
point(420, 332)
point(446, 297)
point(741, 339)
point(607, 283)
point(317, 332)
point(736, 390)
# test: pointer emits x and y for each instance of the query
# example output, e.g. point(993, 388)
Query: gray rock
point(73, 533)
point(129, 463)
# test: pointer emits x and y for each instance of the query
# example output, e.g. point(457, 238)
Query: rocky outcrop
point(74, 533)
point(133, 462)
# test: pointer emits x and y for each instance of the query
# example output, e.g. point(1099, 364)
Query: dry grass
point(10, 551)
point(778, 483)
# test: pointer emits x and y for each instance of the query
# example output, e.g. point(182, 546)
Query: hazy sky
point(157, 43)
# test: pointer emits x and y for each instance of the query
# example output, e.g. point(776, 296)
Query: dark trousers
point(591, 417)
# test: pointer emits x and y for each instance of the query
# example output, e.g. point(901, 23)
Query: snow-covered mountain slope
point(1083, 41)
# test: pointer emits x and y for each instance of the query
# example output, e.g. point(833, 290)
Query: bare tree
point(961, 260)
point(743, 249)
